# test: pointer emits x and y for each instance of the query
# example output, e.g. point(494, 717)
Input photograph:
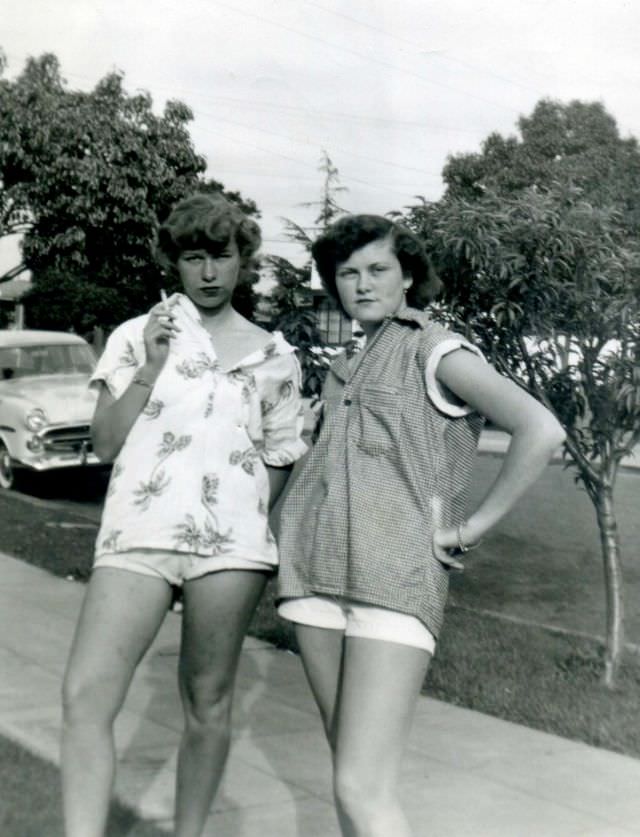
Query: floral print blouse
point(191, 474)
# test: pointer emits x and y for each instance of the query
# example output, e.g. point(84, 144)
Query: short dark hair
point(352, 232)
point(208, 222)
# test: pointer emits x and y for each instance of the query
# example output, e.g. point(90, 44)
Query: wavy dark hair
point(352, 232)
point(208, 222)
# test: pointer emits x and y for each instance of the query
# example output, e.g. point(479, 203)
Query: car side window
point(8, 363)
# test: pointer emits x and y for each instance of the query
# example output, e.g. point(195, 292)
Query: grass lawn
point(543, 562)
point(521, 634)
point(30, 804)
point(59, 542)
point(532, 676)
point(526, 674)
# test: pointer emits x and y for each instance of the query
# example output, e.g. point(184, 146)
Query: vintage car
point(45, 404)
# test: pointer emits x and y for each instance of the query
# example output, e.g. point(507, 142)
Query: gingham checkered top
point(392, 462)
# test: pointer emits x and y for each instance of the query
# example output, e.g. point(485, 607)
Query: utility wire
point(219, 118)
point(418, 46)
point(387, 64)
point(371, 185)
point(309, 142)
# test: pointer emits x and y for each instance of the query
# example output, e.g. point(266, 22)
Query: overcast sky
point(388, 87)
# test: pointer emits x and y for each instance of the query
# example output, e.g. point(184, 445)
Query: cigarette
point(165, 302)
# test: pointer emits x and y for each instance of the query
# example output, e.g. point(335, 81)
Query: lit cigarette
point(165, 301)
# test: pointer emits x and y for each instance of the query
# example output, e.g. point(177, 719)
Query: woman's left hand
point(445, 547)
point(450, 542)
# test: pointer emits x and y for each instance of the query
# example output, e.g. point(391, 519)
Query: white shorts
point(175, 567)
point(358, 619)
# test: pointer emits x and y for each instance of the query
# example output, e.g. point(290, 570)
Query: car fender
point(10, 439)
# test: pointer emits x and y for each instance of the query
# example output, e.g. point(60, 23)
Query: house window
point(335, 328)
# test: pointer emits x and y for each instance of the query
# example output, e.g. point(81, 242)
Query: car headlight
point(35, 419)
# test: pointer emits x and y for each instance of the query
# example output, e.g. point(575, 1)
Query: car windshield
point(58, 359)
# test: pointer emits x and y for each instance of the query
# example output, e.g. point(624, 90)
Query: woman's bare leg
point(366, 691)
point(120, 616)
point(217, 610)
point(378, 693)
point(321, 651)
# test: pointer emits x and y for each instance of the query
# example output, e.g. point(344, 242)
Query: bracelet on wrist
point(141, 382)
point(462, 546)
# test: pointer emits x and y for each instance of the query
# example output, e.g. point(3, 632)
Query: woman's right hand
point(158, 331)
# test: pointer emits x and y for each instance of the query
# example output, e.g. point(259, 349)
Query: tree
point(14, 214)
point(571, 146)
point(85, 177)
point(290, 310)
point(290, 304)
point(328, 207)
point(548, 283)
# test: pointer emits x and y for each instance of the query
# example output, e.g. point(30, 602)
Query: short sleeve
point(122, 355)
point(282, 412)
point(440, 396)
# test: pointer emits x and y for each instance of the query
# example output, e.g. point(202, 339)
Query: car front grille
point(68, 439)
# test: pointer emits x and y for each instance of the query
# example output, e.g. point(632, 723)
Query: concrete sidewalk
point(466, 774)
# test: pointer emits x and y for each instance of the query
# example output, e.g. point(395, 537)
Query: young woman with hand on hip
point(376, 516)
point(199, 411)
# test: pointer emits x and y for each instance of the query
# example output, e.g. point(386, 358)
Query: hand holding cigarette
point(159, 330)
point(165, 316)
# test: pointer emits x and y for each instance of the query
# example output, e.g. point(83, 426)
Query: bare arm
point(278, 478)
point(114, 418)
point(535, 435)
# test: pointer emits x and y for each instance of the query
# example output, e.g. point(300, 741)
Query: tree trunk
point(610, 541)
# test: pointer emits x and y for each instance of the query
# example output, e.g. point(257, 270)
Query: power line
point(339, 116)
point(377, 160)
point(409, 42)
point(308, 142)
point(333, 115)
point(376, 186)
point(281, 176)
point(364, 56)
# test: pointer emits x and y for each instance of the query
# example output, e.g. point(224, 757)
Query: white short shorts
point(358, 619)
point(174, 567)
